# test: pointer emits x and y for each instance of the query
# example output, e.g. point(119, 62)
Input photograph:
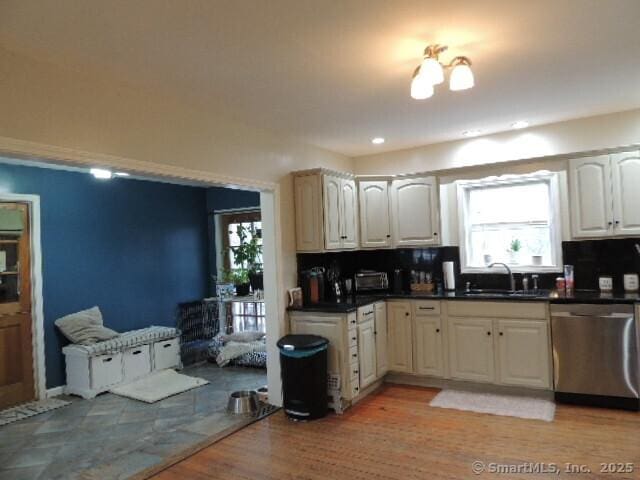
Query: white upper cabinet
point(333, 212)
point(414, 212)
point(308, 208)
point(591, 214)
point(326, 208)
point(375, 227)
point(625, 172)
point(349, 217)
point(605, 195)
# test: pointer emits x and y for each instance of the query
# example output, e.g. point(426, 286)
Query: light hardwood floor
point(394, 434)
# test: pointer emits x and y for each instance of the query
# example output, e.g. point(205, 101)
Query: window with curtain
point(512, 219)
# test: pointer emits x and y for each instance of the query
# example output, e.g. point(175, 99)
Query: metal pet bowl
point(243, 401)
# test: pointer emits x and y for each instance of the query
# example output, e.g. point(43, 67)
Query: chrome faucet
point(512, 280)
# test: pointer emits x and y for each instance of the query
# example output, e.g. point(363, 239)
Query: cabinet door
point(367, 352)
point(375, 229)
point(471, 349)
point(382, 361)
point(414, 212)
point(308, 208)
point(428, 346)
point(626, 193)
point(331, 329)
point(349, 214)
point(523, 353)
point(332, 214)
point(591, 204)
point(399, 330)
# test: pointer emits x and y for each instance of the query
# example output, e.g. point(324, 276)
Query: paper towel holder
point(449, 274)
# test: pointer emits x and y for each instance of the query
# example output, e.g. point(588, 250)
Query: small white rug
point(158, 385)
point(495, 404)
point(27, 410)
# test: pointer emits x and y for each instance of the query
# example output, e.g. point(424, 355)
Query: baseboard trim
point(55, 391)
point(441, 383)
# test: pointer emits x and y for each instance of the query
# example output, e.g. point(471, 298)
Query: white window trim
point(463, 186)
point(217, 219)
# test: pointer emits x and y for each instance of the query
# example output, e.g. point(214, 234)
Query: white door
point(375, 229)
point(523, 353)
point(349, 219)
point(591, 203)
point(414, 212)
point(308, 207)
point(332, 212)
point(626, 193)
point(382, 361)
point(471, 349)
point(428, 356)
point(399, 331)
point(367, 352)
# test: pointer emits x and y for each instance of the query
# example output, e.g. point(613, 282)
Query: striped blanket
point(127, 340)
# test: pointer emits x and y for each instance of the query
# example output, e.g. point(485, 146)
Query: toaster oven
point(371, 281)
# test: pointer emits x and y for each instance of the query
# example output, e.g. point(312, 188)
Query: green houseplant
point(249, 255)
point(514, 248)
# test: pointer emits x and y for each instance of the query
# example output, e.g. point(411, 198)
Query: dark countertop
point(351, 304)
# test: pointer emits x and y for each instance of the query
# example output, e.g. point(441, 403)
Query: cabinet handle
point(610, 223)
point(406, 314)
point(166, 345)
point(435, 234)
point(137, 352)
point(426, 308)
point(437, 330)
point(355, 355)
point(388, 236)
point(106, 360)
point(355, 371)
point(489, 333)
point(501, 333)
point(356, 389)
point(353, 338)
point(617, 222)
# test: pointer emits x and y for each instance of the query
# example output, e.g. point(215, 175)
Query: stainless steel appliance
point(595, 354)
point(369, 280)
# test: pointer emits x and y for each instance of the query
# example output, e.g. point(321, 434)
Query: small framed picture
point(295, 297)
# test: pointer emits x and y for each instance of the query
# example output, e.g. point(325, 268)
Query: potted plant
point(240, 279)
point(514, 249)
point(249, 254)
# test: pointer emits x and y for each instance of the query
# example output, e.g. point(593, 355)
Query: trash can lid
point(301, 342)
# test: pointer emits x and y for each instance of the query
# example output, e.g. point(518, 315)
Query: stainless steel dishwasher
point(595, 355)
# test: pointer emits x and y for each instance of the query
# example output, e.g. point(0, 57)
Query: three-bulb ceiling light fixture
point(431, 73)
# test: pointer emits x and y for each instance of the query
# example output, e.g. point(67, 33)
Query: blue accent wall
point(225, 199)
point(134, 248)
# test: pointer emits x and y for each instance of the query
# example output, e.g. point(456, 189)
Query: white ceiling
point(337, 73)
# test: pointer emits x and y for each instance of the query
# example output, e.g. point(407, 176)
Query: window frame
point(464, 187)
point(222, 220)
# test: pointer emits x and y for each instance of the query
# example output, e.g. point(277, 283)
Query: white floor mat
point(158, 385)
point(495, 404)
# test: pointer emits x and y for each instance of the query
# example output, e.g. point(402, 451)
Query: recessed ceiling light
point(520, 124)
point(121, 174)
point(471, 133)
point(377, 140)
point(101, 173)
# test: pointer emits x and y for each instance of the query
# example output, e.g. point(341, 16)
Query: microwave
point(371, 281)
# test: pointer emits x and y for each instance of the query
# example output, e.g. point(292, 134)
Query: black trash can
point(303, 364)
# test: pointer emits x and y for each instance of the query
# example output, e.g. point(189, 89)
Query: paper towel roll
point(449, 273)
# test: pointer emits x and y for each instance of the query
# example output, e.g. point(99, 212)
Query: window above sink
point(513, 219)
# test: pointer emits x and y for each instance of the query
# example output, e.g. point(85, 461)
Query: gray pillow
point(85, 327)
point(245, 337)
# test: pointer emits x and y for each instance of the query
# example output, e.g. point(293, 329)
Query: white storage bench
point(93, 369)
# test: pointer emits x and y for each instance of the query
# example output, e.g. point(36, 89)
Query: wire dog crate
point(199, 322)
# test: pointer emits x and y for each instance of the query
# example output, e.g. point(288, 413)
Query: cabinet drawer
point(352, 321)
point(365, 313)
point(353, 338)
point(353, 354)
point(136, 362)
point(355, 389)
point(472, 309)
point(354, 372)
point(166, 354)
point(106, 370)
point(426, 307)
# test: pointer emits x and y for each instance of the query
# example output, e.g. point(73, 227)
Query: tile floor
point(112, 437)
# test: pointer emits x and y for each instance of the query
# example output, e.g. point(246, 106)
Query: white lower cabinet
point(382, 357)
point(367, 352)
point(400, 337)
point(428, 354)
point(471, 349)
point(523, 353)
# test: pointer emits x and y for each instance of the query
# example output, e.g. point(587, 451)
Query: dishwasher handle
point(591, 315)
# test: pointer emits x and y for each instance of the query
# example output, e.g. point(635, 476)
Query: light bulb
point(421, 88)
point(432, 71)
point(377, 140)
point(461, 77)
point(101, 173)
